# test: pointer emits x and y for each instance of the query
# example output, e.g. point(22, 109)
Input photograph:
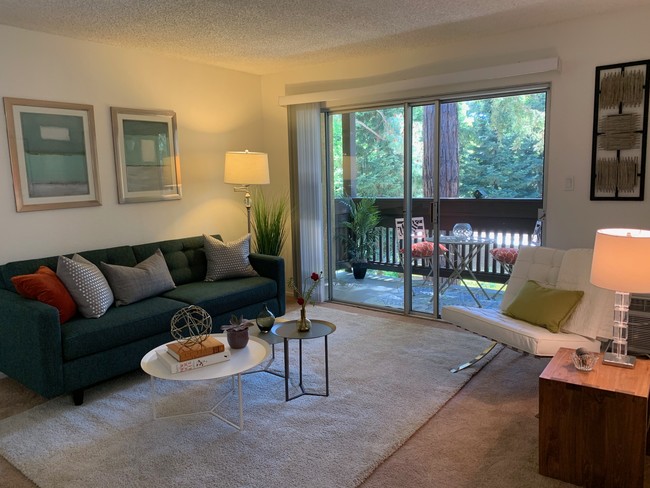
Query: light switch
point(568, 183)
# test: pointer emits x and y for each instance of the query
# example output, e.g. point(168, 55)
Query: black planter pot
point(359, 270)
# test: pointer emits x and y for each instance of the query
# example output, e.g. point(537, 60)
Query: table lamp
point(244, 168)
point(621, 262)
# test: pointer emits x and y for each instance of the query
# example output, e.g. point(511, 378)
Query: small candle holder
point(584, 360)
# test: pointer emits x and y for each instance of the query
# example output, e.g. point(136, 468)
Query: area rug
point(387, 377)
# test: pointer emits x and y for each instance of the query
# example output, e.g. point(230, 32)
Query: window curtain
point(307, 186)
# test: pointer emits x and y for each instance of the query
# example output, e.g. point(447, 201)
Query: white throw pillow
point(227, 259)
point(86, 284)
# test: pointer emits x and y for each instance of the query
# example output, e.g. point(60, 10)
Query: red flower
point(303, 296)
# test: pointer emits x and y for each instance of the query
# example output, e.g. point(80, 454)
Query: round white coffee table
point(241, 360)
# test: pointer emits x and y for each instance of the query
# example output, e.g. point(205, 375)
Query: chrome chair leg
point(474, 360)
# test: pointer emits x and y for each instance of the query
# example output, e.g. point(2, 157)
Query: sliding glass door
point(406, 180)
point(366, 149)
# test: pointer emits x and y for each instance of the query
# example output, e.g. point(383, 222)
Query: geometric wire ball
point(191, 325)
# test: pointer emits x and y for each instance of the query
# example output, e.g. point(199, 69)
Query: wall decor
point(620, 133)
point(146, 155)
point(53, 154)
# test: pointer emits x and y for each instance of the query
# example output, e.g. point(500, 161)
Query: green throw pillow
point(545, 307)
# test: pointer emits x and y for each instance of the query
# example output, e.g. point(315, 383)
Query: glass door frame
point(408, 105)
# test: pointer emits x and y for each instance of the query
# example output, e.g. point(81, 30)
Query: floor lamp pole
point(247, 202)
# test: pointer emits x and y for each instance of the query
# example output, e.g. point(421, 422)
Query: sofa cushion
point(119, 326)
point(227, 259)
point(219, 297)
point(540, 264)
point(146, 279)
point(46, 287)
point(594, 315)
point(515, 333)
point(542, 306)
point(185, 257)
point(86, 284)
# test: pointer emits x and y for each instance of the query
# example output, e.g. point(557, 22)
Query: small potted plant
point(237, 331)
point(362, 225)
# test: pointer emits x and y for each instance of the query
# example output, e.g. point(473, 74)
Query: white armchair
point(588, 326)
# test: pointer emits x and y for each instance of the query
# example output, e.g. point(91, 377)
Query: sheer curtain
point(307, 187)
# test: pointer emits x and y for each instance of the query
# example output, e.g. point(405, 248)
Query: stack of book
point(179, 357)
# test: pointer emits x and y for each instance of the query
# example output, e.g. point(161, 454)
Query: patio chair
point(421, 248)
point(507, 256)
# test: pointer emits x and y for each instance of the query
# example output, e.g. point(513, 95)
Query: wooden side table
point(593, 426)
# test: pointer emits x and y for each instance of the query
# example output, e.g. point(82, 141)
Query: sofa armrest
point(272, 267)
point(30, 343)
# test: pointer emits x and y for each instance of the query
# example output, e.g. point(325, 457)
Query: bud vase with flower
point(303, 297)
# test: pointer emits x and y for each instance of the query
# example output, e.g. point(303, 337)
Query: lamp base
point(624, 361)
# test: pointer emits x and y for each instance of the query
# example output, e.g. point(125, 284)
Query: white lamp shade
point(621, 260)
point(246, 168)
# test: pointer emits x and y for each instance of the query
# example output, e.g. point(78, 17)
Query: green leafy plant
point(269, 223)
point(362, 224)
point(237, 324)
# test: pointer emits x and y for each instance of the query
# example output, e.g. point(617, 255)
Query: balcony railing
point(509, 222)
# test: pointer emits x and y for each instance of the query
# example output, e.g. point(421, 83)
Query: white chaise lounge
point(589, 326)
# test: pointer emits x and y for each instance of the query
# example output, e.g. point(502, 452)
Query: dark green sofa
point(53, 359)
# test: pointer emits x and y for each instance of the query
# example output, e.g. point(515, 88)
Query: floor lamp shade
point(621, 262)
point(246, 168)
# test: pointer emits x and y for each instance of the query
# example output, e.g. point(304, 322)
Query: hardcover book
point(184, 353)
point(180, 366)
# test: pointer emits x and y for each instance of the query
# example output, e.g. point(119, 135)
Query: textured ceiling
point(262, 36)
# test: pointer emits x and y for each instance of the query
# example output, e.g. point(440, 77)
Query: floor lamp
point(244, 168)
point(621, 262)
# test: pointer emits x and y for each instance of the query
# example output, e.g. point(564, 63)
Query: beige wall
point(217, 110)
point(572, 218)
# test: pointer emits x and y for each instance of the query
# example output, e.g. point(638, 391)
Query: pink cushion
point(424, 249)
point(505, 255)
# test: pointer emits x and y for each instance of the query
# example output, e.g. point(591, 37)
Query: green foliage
point(269, 222)
point(379, 145)
point(500, 141)
point(501, 146)
point(363, 222)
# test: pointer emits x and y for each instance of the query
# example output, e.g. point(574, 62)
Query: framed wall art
point(620, 133)
point(53, 154)
point(146, 155)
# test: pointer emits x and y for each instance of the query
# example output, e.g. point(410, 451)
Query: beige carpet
point(387, 377)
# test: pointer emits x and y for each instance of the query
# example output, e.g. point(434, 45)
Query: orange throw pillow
point(46, 287)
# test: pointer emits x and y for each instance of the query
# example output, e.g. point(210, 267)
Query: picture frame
point(53, 154)
point(146, 155)
point(620, 131)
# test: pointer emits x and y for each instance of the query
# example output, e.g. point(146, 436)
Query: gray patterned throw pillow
point(146, 279)
point(86, 284)
point(227, 259)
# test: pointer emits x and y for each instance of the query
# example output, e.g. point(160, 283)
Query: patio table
point(461, 254)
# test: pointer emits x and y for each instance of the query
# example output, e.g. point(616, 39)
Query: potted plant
point(362, 226)
point(237, 331)
point(269, 223)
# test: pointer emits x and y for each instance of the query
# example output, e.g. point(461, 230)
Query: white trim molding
point(478, 74)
